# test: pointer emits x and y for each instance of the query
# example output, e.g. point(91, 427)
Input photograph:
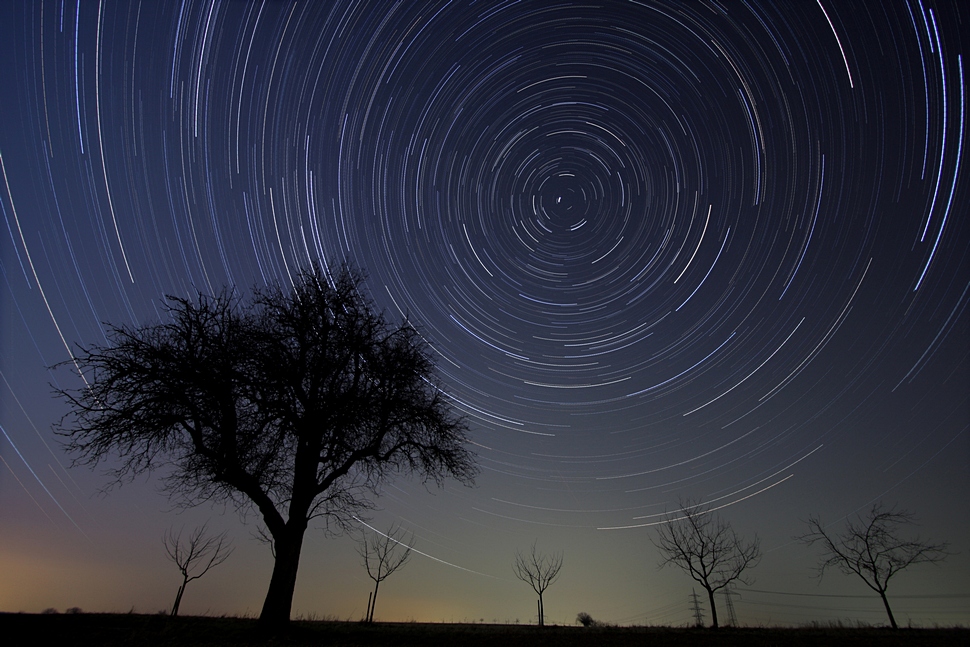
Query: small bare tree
point(871, 548)
point(195, 556)
point(538, 571)
point(706, 548)
point(383, 554)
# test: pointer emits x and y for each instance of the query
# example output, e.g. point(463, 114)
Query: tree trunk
point(889, 611)
point(178, 599)
point(279, 597)
point(367, 613)
point(542, 619)
point(374, 601)
point(710, 594)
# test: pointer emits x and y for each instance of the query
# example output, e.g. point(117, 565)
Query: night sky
point(715, 250)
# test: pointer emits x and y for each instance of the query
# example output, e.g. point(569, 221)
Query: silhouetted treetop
point(300, 402)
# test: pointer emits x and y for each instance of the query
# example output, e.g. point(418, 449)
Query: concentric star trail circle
point(659, 249)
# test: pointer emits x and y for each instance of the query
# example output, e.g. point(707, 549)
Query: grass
point(162, 631)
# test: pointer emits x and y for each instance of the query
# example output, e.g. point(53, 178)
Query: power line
point(955, 596)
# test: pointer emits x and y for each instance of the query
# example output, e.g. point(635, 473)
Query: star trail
point(660, 250)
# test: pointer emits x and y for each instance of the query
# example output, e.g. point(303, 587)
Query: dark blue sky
point(711, 250)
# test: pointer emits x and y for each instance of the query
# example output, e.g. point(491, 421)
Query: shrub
point(585, 619)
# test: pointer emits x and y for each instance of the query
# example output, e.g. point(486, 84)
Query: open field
point(151, 631)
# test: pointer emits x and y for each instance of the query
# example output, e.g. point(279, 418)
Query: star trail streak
point(660, 250)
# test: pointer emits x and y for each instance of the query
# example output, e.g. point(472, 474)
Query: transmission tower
point(729, 599)
point(695, 606)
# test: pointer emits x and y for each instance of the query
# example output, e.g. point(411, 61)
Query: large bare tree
point(195, 555)
point(871, 547)
point(706, 548)
point(383, 554)
point(300, 403)
point(539, 571)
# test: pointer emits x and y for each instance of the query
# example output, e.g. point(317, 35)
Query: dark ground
point(151, 631)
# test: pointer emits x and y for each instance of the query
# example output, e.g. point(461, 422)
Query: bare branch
point(539, 571)
point(706, 548)
point(382, 555)
point(195, 556)
point(263, 536)
point(871, 548)
point(200, 553)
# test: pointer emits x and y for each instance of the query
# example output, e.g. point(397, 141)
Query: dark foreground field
point(131, 629)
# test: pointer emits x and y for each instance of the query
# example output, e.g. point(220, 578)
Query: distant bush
point(74, 611)
point(49, 611)
point(585, 619)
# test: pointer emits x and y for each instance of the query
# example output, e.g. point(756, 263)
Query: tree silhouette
point(586, 620)
point(871, 548)
point(538, 571)
point(195, 556)
point(383, 554)
point(299, 404)
point(706, 548)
